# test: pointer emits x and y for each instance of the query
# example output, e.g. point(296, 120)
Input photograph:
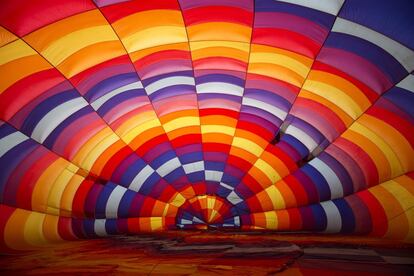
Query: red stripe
point(376, 210)
point(286, 39)
point(217, 14)
point(26, 90)
point(24, 16)
point(371, 95)
point(118, 11)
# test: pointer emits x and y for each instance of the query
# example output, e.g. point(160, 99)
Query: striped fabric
point(121, 116)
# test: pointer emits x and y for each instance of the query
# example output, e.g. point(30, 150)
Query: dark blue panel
point(296, 144)
point(110, 84)
point(118, 99)
point(319, 181)
point(392, 18)
point(44, 107)
point(111, 227)
point(347, 216)
point(51, 139)
point(323, 19)
point(125, 204)
point(371, 52)
point(220, 78)
point(103, 199)
point(132, 172)
point(402, 98)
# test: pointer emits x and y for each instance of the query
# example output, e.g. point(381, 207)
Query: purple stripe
point(260, 114)
point(103, 3)
point(165, 67)
point(176, 73)
point(284, 91)
point(351, 166)
point(316, 16)
point(356, 67)
point(340, 172)
point(271, 123)
point(94, 78)
point(109, 85)
point(12, 185)
point(172, 91)
point(202, 72)
point(290, 22)
point(308, 129)
point(67, 134)
point(243, 4)
point(220, 78)
point(269, 98)
point(19, 118)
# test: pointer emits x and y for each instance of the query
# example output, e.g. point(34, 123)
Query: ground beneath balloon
point(217, 253)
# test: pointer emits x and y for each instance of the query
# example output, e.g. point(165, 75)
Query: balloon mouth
point(207, 212)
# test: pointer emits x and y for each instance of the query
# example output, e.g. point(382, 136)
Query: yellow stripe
point(154, 37)
point(397, 142)
point(15, 50)
point(45, 183)
point(94, 154)
point(142, 20)
point(56, 192)
point(140, 129)
point(69, 193)
point(59, 50)
point(268, 170)
point(335, 96)
point(279, 58)
point(271, 220)
point(181, 122)
point(6, 36)
point(86, 148)
point(33, 229)
point(276, 197)
point(248, 146)
point(200, 45)
point(218, 129)
point(135, 121)
point(228, 31)
point(156, 223)
point(392, 158)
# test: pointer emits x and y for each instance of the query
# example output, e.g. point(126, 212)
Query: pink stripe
point(291, 22)
point(357, 67)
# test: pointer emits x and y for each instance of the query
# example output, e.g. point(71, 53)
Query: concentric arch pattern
point(120, 117)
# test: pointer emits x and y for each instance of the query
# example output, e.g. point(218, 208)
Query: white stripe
point(55, 117)
point(186, 221)
point(237, 221)
point(213, 175)
point(10, 141)
point(328, 6)
point(140, 178)
point(333, 217)
point(166, 82)
point(194, 167)
point(234, 198)
point(99, 227)
point(220, 88)
point(330, 177)
point(407, 83)
point(226, 186)
point(196, 219)
point(301, 136)
point(404, 55)
point(168, 167)
point(113, 202)
point(265, 106)
point(100, 101)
